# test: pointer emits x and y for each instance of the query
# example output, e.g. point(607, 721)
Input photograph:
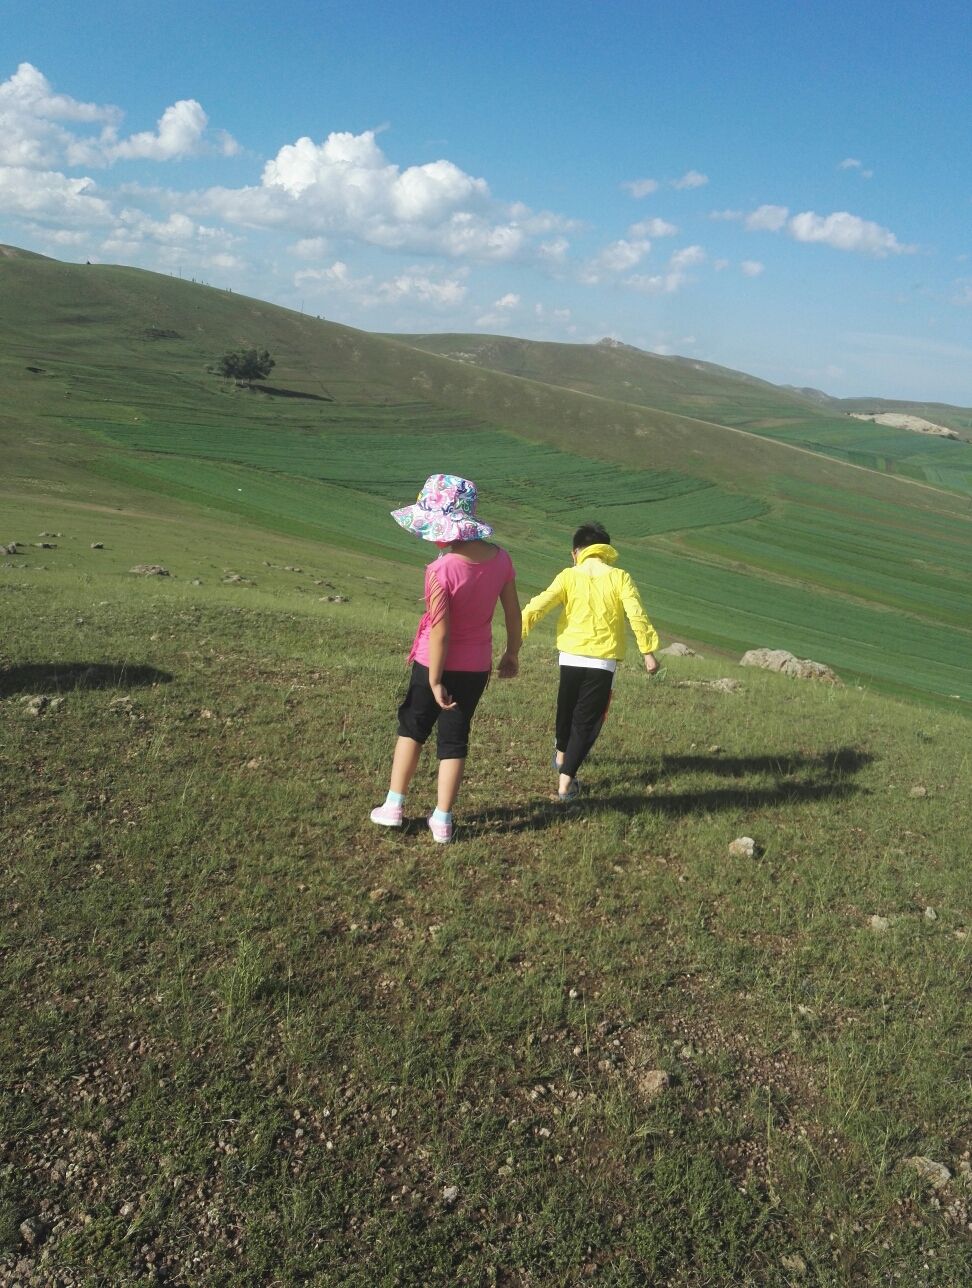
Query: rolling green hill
point(688, 387)
point(737, 539)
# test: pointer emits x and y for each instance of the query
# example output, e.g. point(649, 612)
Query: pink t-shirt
point(471, 591)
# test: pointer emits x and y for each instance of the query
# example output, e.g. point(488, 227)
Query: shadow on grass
point(835, 763)
point(275, 392)
point(824, 776)
point(41, 677)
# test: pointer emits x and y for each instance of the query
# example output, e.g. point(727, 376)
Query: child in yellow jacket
point(594, 598)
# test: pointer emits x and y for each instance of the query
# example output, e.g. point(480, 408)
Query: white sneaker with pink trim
point(441, 832)
point(388, 815)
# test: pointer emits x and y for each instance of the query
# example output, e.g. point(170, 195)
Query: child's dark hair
point(590, 534)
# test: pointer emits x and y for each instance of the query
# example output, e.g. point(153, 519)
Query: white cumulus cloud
point(652, 228)
point(767, 219)
point(853, 163)
point(347, 187)
point(752, 267)
point(44, 129)
point(615, 258)
point(674, 277)
point(690, 179)
point(310, 248)
point(641, 187)
point(844, 231)
point(412, 285)
point(180, 132)
point(48, 196)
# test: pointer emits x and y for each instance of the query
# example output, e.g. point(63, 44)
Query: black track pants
point(582, 705)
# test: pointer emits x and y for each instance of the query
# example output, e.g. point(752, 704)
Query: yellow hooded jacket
point(594, 599)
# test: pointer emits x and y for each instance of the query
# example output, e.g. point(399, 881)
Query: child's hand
point(442, 696)
point(509, 666)
point(651, 663)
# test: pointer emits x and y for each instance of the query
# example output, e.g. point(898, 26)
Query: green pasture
point(535, 476)
point(687, 595)
point(247, 1039)
point(697, 389)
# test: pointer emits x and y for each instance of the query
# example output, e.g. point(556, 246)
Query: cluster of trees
point(245, 365)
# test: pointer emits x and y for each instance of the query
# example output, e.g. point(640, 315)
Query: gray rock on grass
point(779, 660)
point(744, 847)
point(936, 1174)
point(150, 570)
point(677, 650)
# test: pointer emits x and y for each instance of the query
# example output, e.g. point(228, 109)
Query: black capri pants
point(582, 706)
point(420, 712)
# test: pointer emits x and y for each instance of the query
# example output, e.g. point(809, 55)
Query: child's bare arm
point(438, 643)
point(509, 664)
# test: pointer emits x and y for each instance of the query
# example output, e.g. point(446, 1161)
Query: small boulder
point(918, 791)
point(33, 1231)
point(744, 847)
point(879, 924)
point(936, 1174)
point(677, 650)
point(779, 660)
point(150, 570)
point(97, 545)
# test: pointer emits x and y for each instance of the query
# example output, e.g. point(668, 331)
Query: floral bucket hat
point(445, 511)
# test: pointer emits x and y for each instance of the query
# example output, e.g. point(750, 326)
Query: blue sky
point(782, 187)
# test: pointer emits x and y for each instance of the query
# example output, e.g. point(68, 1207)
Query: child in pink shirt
point(452, 652)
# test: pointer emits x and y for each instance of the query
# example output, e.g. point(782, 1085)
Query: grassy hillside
point(683, 385)
point(737, 541)
point(247, 1040)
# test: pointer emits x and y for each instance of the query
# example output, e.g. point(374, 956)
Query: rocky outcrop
point(778, 659)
